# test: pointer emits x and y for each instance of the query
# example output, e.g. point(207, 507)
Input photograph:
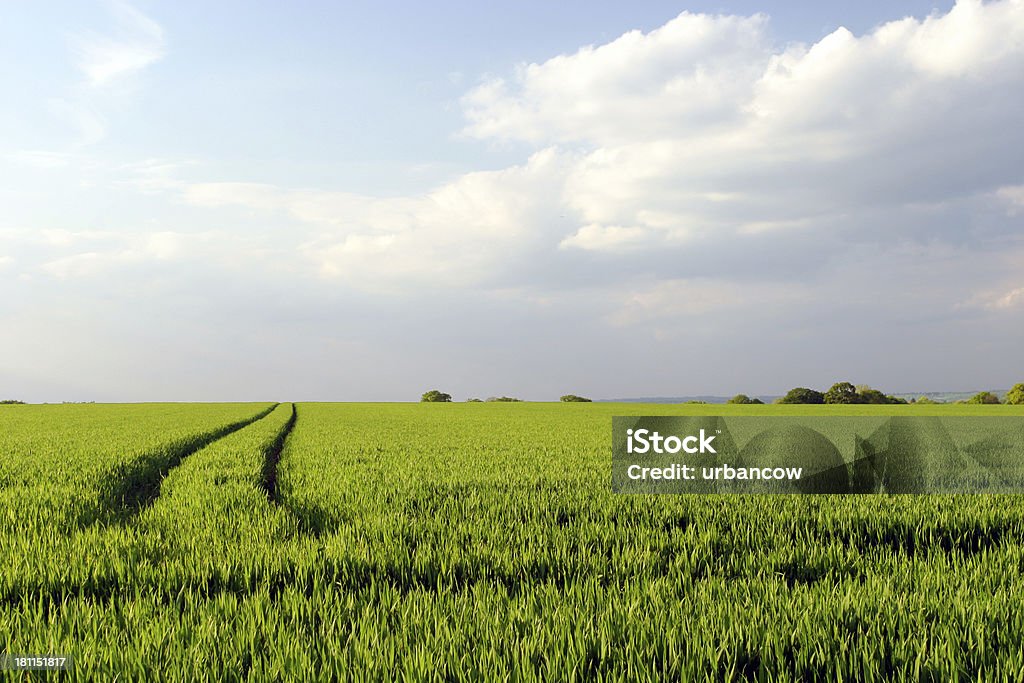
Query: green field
point(473, 542)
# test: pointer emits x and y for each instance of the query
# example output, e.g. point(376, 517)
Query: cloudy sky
point(362, 201)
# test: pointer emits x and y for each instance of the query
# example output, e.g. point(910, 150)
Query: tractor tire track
point(273, 457)
point(136, 485)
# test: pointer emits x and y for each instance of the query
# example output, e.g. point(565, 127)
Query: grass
point(481, 542)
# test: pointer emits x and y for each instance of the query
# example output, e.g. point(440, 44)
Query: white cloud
point(136, 43)
point(153, 176)
point(1012, 196)
point(997, 300)
point(119, 250)
point(1012, 299)
point(724, 75)
point(699, 184)
point(107, 61)
point(756, 227)
point(706, 121)
point(690, 72)
point(605, 237)
point(706, 145)
point(463, 232)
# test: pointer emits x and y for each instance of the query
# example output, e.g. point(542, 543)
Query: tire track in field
point(273, 457)
point(136, 485)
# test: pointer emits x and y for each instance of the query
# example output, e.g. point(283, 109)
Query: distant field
point(474, 542)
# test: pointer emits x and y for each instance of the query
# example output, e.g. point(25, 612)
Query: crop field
point(476, 541)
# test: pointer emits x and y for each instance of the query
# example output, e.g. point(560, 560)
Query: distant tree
point(573, 398)
point(503, 399)
point(872, 396)
point(11, 402)
point(924, 400)
point(1015, 396)
point(842, 392)
point(744, 400)
point(695, 402)
point(803, 395)
point(473, 400)
point(756, 402)
point(435, 396)
point(984, 398)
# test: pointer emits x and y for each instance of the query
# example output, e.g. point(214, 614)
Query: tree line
point(846, 393)
point(437, 396)
point(841, 393)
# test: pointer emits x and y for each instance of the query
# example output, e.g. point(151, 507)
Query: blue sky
point(229, 201)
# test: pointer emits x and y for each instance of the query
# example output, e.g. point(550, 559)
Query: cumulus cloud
point(691, 180)
point(699, 74)
point(839, 127)
point(462, 233)
point(702, 138)
point(689, 73)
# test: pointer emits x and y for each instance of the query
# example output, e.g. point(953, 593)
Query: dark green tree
point(744, 400)
point(435, 396)
point(842, 392)
point(984, 398)
point(803, 395)
point(873, 397)
point(573, 398)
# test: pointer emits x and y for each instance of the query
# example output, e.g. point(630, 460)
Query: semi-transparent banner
point(833, 454)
